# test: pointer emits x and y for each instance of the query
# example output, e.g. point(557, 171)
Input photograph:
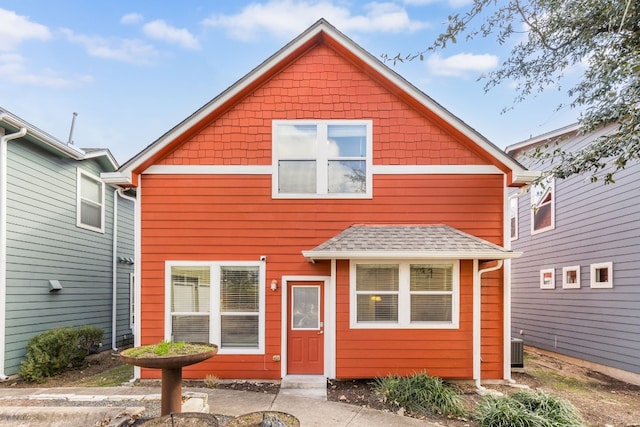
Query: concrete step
point(309, 386)
point(303, 381)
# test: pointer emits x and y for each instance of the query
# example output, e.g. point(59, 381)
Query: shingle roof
point(407, 241)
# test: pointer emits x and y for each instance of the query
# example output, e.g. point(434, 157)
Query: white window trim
point(565, 284)
point(601, 285)
point(322, 172)
point(404, 296)
point(79, 223)
point(552, 183)
point(214, 303)
point(553, 278)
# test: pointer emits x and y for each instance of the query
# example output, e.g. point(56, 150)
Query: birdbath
point(171, 358)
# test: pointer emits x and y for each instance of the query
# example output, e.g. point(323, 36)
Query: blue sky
point(134, 69)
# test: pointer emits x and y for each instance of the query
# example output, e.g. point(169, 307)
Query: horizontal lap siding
point(442, 353)
point(197, 217)
point(594, 223)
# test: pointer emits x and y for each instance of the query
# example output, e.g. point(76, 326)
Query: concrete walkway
point(310, 411)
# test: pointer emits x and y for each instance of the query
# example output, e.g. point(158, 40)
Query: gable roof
point(407, 241)
point(320, 32)
point(35, 135)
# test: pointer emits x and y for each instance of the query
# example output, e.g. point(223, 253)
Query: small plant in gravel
point(211, 381)
point(527, 408)
point(421, 393)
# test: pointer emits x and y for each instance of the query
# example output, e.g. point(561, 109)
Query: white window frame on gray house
point(548, 278)
point(598, 271)
point(221, 316)
point(541, 191)
point(571, 277)
point(402, 297)
point(513, 217)
point(329, 159)
point(90, 204)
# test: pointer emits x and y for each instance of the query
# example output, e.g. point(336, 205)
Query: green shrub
point(420, 393)
point(57, 350)
point(527, 409)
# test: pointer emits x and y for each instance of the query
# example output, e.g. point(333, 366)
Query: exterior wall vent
point(517, 353)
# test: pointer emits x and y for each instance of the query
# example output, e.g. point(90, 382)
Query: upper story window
point(90, 201)
point(543, 206)
point(419, 294)
point(330, 159)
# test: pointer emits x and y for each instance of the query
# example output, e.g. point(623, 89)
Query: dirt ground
point(602, 401)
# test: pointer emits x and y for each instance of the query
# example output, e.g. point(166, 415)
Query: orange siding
point(197, 217)
point(322, 85)
point(233, 217)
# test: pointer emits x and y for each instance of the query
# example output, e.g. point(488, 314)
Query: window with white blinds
point(90, 201)
point(221, 303)
point(407, 294)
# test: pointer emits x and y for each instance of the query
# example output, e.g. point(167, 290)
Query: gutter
point(477, 321)
point(3, 238)
point(114, 273)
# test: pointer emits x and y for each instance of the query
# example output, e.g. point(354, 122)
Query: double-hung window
point(330, 159)
point(217, 302)
point(543, 206)
point(90, 201)
point(421, 294)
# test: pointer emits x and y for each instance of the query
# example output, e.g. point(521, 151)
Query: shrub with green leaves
point(420, 393)
point(527, 408)
point(57, 350)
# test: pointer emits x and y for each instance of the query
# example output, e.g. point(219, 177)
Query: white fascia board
point(526, 177)
point(103, 153)
point(554, 134)
point(69, 150)
point(116, 178)
point(482, 255)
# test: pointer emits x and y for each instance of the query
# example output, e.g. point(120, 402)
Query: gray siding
point(594, 223)
point(44, 243)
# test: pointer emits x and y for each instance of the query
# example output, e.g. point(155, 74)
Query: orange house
point(324, 216)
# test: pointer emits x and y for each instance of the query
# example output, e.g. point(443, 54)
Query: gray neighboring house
point(576, 289)
point(59, 225)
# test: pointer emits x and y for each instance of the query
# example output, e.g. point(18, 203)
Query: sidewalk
point(310, 412)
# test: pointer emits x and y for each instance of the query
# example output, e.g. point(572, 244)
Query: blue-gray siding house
point(59, 225)
point(576, 289)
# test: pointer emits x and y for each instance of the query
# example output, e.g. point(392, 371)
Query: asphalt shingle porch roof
point(407, 241)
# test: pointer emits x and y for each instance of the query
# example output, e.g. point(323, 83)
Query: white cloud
point(160, 30)
point(131, 18)
point(14, 29)
point(125, 50)
point(287, 18)
point(461, 65)
point(13, 69)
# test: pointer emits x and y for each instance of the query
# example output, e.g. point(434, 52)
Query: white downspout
point(3, 239)
point(477, 320)
point(114, 274)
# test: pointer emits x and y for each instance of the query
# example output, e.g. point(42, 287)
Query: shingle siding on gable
point(44, 243)
point(594, 223)
point(322, 85)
